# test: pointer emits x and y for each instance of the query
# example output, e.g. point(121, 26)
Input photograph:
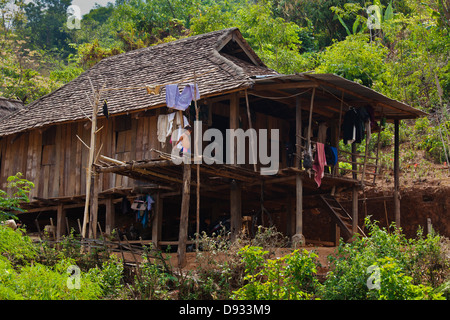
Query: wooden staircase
point(340, 215)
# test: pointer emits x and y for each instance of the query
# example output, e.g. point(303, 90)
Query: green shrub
point(394, 284)
point(397, 261)
point(16, 246)
point(18, 192)
point(291, 277)
point(40, 282)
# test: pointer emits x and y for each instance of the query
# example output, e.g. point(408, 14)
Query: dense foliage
point(405, 57)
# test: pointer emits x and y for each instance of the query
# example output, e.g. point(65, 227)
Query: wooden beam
point(287, 85)
point(139, 165)
point(184, 216)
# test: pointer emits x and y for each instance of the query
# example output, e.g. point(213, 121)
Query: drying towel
point(163, 126)
point(319, 163)
point(181, 101)
point(175, 116)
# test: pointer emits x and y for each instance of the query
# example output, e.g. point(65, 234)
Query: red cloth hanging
point(319, 163)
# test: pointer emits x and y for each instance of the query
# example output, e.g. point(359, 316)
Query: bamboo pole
point(197, 155)
point(90, 160)
point(250, 125)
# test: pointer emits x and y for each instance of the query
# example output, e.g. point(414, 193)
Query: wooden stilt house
point(101, 142)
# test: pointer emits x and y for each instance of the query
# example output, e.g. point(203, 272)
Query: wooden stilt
point(60, 221)
point(397, 173)
point(110, 216)
point(184, 216)
point(90, 163)
point(355, 210)
point(157, 221)
point(298, 238)
point(235, 209)
point(94, 206)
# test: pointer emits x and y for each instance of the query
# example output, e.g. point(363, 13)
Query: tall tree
point(46, 25)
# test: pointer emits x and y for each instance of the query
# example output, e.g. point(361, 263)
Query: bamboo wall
point(54, 159)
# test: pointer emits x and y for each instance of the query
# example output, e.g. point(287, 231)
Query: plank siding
point(59, 169)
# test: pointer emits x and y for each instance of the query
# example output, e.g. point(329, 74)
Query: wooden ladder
point(340, 215)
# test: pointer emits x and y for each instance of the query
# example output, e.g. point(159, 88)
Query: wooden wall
point(54, 159)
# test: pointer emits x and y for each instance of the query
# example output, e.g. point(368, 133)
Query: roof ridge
point(222, 32)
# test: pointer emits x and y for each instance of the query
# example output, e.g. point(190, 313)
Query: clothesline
point(279, 98)
point(160, 85)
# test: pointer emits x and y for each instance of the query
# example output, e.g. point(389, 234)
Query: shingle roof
point(156, 65)
point(8, 106)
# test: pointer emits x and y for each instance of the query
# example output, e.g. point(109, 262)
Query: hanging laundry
point(150, 201)
point(182, 101)
point(162, 127)
point(331, 155)
point(153, 90)
point(319, 163)
point(353, 125)
point(105, 109)
point(175, 116)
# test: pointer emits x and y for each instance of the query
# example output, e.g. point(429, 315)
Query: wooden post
point(250, 126)
point(90, 163)
point(184, 216)
point(94, 206)
point(355, 210)
point(234, 123)
point(235, 209)
point(197, 155)
point(354, 164)
point(110, 216)
point(298, 136)
point(337, 235)
point(157, 221)
point(298, 238)
point(60, 221)
point(396, 173)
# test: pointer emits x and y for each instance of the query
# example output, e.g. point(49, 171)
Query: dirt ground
point(192, 262)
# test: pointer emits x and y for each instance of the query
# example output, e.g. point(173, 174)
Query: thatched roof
point(223, 62)
point(226, 57)
point(8, 106)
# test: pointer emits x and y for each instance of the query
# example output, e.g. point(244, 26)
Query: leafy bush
point(15, 246)
point(18, 192)
point(394, 284)
point(291, 277)
point(396, 259)
point(40, 282)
